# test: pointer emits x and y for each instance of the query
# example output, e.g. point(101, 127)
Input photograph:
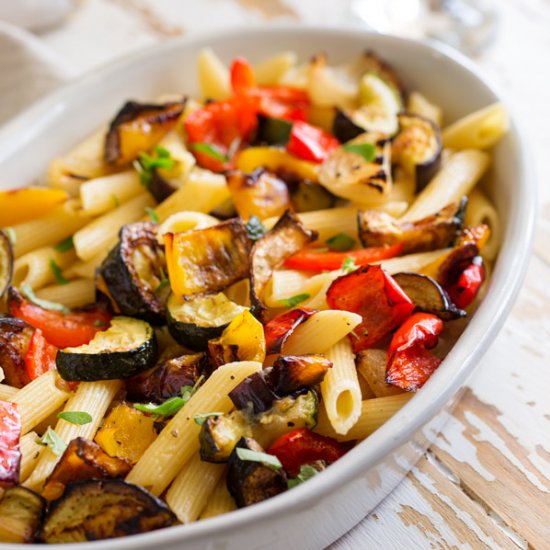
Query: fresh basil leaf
point(349, 265)
point(211, 150)
point(201, 417)
point(294, 300)
point(152, 214)
point(341, 242)
point(163, 284)
point(65, 245)
point(169, 408)
point(56, 270)
point(53, 441)
point(150, 163)
point(256, 456)
point(188, 391)
point(75, 417)
point(145, 176)
point(255, 228)
point(10, 232)
point(45, 304)
point(365, 150)
point(162, 152)
point(306, 472)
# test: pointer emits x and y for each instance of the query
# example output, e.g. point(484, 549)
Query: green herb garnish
point(365, 150)
point(211, 150)
point(53, 441)
point(65, 245)
point(349, 265)
point(255, 228)
point(56, 270)
point(256, 456)
point(75, 417)
point(45, 304)
point(294, 300)
point(162, 285)
point(152, 214)
point(146, 164)
point(341, 242)
point(10, 232)
point(306, 472)
point(145, 177)
point(201, 417)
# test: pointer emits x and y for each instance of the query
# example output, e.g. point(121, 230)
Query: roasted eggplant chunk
point(307, 196)
point(15, 336)
point(260, 194)
point(372, 364)
point(287, 237)
point(137, 128)
point(207, 260)
point(6, 262)
point(166, 379)
point(194, 321)
point(253, 394)
point(82, 460)
point(21, 513)
point(134, 274)
point(436, 231)
point(250, 481)
point(428, 295)
point(103, 509)
point(417, 148)
point(126, 348)
point(219, 435)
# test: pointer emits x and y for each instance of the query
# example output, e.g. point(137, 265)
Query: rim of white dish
point(442, 386)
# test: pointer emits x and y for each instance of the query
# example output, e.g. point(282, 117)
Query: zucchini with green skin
point(219, 434)
point(126, 348)
point(103, 509)
point(21, 513)
point(194, 321)
point(134, 274)
point(251, 481)
point(6, 262)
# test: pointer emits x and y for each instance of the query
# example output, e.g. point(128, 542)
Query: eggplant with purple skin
point(251, 481)
point(417, 148)
point(15, 336)
point(439, 230)
point(21, 513)
point(428, 296)
point(138, 127)
point(133, 275)
point(6, 262)
point(103, 509)
point(287, 237)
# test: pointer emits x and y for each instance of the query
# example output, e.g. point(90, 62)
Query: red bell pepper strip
point(373, 294)
point(10, 433)
point(464, 291)
point(321, 261)
point(310, 143)
point(419, 328)
point(302, 446)
point(61, 330)
point(241, 75)
point(40, 356)
point(281, 327)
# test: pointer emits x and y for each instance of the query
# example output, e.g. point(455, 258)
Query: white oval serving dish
point(318, 512)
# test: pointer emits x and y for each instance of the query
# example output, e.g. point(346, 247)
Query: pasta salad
point(214, 298)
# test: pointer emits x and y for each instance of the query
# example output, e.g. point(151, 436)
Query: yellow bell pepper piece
point(126, 433)
point(27, 203)
point(275, 159)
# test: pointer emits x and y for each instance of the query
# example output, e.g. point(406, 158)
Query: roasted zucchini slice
point(98, 510)
point(219, 434)
point(138, 127)
point(6, 262)
point(81, 460)
point(436, 231)
point(134, 274)
point(207, 260)
point(15, 336)
point(250, 481)
point(194, 321)
point(417, 148)
point(273, 131)
point(287, 237)
point(126, 348)
point(21, 513)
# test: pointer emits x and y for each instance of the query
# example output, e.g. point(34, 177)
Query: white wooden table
point(486, 481)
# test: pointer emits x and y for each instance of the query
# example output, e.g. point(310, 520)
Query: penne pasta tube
point(31, 450)
point(38, 400)
point(213, 76)
point(101, 195)
point(178, 441)
point(419, 105)
point(77, 293)
point(87, 269)
point(412, 262)
point(374, 412)
point(456, 179)
point(96, 236)
point(340, 388)
point(191, 490)
point(7, 392)
point(220, 501)
point(91, 397)
point(480, 210)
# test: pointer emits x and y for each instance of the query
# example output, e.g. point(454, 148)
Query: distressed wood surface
point(486, 481)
